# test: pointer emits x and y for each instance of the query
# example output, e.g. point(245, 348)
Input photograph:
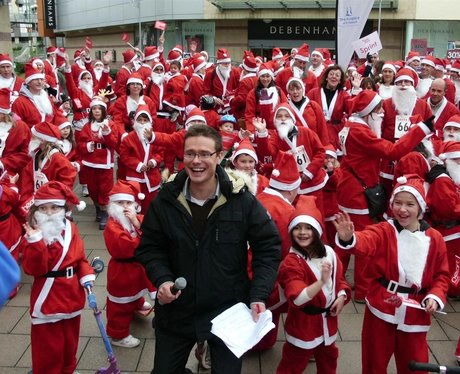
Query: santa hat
point(61, 122)
point(318, 52)
point(151, 53)
point(98, 63)
point(174, 55)
point(413, 184)
point(331, 151)
point(156, 65)
point(265, 68)
point(51, 50)
point(259, 59)
point(412, 56)
point(455, 66)
point(223, 56)
point(453, 121)
point(351, 68)
point(47, 132)
point(60, 60)
point(440, 64)
point(299, 81)
point(284, 106)
point(303, 53)
point(243, 148)
point(135, 78)
point(306, 211)
point(196, 114)
point(326, 54)
point(389, 65)
point(126, 191)
point(57, 193)
point(97, 100)
point(429, 60)
point(32, 73)
point(5, 101)
point(407, 74)
point(276, 53)
point(129, 56)
point(76, 55)
point(5, 59)
point(365, 102)
point(249, 64)
point(82, 73)
point(178, 48)
point(285, 175)
point(450, 150)
point(143, 109)
point(399, 64)
point(198, 62)
point(37, 61)
point(174, 101)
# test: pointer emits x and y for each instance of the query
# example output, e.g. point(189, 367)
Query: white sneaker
point(128, 342)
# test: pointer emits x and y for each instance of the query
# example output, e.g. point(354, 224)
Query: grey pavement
point(15, 353)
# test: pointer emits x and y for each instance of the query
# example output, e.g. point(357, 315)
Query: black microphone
point(178, 285)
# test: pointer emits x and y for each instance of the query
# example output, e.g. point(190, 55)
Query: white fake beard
point(5, 127)
point(116, 212)
point(224, 71)
point(297, 72)
point(43, 103)
point(404, 100)
point(158, 79)
point(454, 170)
point(283, 127)
point(87, 88)
point(375, 123)
point(34, 144)
point(98, 73)
point(454, 137)
point(140, 128)
point(51, 226)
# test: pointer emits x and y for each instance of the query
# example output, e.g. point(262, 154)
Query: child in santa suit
point(409, 261)
point(127, 281)
point(226, 130)
point(141, 158)
point(312, 278)
point(69, 146)
point(96, 144)
point(175, 82)
point(54, 255)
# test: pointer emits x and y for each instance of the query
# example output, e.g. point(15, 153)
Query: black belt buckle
point(392, 286)
point(98, 145)
point(69, 272)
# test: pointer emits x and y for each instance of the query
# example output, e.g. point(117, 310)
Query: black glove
point(264, 95)
point(367, 71)
point(369, 58)
point(429, 123)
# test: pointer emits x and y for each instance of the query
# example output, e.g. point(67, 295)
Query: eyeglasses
point(201, 156)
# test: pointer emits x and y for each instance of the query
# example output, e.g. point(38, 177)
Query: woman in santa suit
point(388, 80)
point(334, 100)
point(307, 112)
point(409, 277)
point(262, 100)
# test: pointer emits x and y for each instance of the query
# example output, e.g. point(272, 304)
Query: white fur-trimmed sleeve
point(34, 238)
point(87, 278)
point(302, 298)
point(434, 297)
point(139, 166)
point(350, 246)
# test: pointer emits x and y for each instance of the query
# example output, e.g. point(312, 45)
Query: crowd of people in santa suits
point(341, 132)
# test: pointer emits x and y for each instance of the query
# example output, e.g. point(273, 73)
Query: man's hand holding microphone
point(170, 291)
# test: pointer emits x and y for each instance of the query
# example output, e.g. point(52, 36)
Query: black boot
point(103, 221)
point(98, 213)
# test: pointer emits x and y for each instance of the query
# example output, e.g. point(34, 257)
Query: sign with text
point(160, 25)
point(369, 44)
point(419, 45)
point(453, 54)
point(49, 10)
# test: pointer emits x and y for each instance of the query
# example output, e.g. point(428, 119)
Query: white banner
point(369, 44)
point(351, 18)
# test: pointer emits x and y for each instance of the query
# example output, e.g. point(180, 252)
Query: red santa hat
point(351, 68)
point(244, 148)
point(331, 151)
point(412, 56)
point(126, 191)
point(51, 50)
point(60, 57)
point(198, 62)
point(135, 78)
point(174, 55)
point(413, 184)
point(143, 109)
point(98, 63)
point(284, 106)
point(5, 59)
point(407, 74)
point(389, 65)
point(365, 102)
point(318, 52)
point(59, 194)
point(76, 55)
point(97, 100)
point(453, 121)
point(326, 53)
point(61, 122)
point(5, 101)
point(399, 64)
point(440, 64)
point(32, 73)
point(259, 59)
point(178, 48)
point(455, 66)
point(429, 60)
point(151, 53)
point(303, 53)
point(82, 73)
point(129, 56)
point(196, 114)
point(47, 132)
point(174, 101)
point(299, 81)
point(450, 150)
point(265, 68)
point(306, 211)
point(276, 53)
point(285, 175)
point(36, 62)
point(249, 64)
point(223, 56)
point(156, 65)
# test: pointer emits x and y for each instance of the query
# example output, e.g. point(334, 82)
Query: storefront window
point(198, 36)
point(438, 34)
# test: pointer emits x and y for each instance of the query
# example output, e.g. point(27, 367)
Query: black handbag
point(376, 197)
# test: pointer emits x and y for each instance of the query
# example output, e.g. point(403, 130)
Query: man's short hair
point(207, 132)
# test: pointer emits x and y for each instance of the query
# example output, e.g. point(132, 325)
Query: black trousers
point(172, 352)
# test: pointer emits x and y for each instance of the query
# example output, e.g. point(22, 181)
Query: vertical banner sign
point(351, 18)
point(49, 7)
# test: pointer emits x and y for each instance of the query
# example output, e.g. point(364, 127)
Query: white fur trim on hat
point(200, 66)
point(291, 114)
point(121, 197)
point(452, 124)
point(389, 66)
point(3, 62)
point(414, 58)
point(243, 151)
point(265, 71)
point(5, 110)
point(246, 67)
point(413, 191)
point(428, 62)
point(298, 80)
point(64, 125)
point(34, 76)
point(224, 60)
point(404, 77)
point(44, 137)
point(301, 58)
point(195, 118)
point(284, 186)
point(58, 202)
point(135, 80)
point(306, 219)
point(331, 153)
point(143, 112)
point(97, 102)
point(318, 53)
point(370, 107)
point(446, 155)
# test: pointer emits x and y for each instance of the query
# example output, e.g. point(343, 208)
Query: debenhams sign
point(50, 14)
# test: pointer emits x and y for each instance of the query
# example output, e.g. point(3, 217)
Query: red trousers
point(100, 182)
point(295, 359)
point(149, 196)
point(119, 317)
point(453, 257)
point(380, 340)
point(54, 346)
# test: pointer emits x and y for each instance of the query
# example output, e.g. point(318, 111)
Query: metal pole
point(140, 24)
point(380, 16)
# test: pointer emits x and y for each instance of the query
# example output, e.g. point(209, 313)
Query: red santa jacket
point(238, 103)
point(54, 299)
point(136, 153)
point(337, 109)
point(120, 81)
point(175, 87)
point(296, 272)
point(445, 111)
point(212, 118)
point(331, 208)
point(195, 90)
point(284, 75)
point(155, 93)
point(14, 148)
point(383, 243)
point(10, 228)
point(145, 71)
point(126, 278)
point(14, 86)
point(216, 85)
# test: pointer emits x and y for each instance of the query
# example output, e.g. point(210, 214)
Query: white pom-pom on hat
point(443, 156)
point(140, 196)
point(80, 206)
point(402, 180)
point(236, 145)
point(276, 172)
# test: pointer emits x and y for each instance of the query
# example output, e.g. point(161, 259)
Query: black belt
point(68, 272)
point(313, 310)
point(393, 287)
point(125, 260)
point(448, 224)
point(100, 146)
point(5, 216)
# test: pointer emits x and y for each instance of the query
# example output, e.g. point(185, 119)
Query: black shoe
point(98, 213)
point(103, 221)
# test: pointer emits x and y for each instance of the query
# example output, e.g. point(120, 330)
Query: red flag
point(88, 42)
point(125, 38)
point(160, 25)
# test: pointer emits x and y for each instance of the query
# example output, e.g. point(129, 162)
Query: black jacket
point(215, 267)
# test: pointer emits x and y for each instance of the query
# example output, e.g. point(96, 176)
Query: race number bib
point(301, 158)
point(343, 135)
point(402, 126)
point(39, 180)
